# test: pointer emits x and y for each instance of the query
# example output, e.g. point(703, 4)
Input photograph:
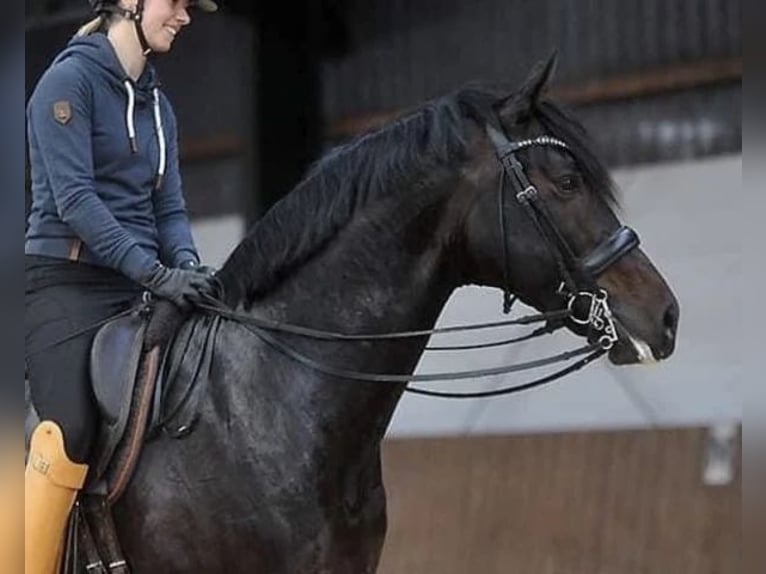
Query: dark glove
point(216, 290)
point(183, 287)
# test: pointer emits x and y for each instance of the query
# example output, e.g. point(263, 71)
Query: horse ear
point(517, 107)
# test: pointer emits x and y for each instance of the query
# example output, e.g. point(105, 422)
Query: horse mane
point(340, 184)
point(371, 167)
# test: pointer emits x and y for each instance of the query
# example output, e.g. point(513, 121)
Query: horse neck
point(386, 271)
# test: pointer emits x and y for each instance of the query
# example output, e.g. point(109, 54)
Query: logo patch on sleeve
point(62, 112)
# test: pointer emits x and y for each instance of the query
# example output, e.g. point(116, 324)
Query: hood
point(97, 52)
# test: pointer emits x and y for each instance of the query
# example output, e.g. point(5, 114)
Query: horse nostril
point(670, 319)
point(670, 324)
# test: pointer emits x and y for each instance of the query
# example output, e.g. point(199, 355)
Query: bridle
point(578, 288)
point(578, 275)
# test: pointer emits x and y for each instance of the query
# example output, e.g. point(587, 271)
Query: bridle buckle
point(527, 194)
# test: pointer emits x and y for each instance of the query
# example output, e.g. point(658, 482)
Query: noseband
point(578, 275)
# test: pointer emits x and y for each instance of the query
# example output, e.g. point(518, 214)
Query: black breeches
point(62, 298)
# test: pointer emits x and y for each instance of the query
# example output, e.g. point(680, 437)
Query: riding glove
point(183, 287)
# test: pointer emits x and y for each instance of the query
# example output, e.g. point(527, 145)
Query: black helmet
point(204, 5)
point(99, 6)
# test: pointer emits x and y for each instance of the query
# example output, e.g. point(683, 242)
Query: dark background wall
point(653, 80)
point(404, 51)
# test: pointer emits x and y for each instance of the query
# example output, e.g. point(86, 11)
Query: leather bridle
point(577, 275)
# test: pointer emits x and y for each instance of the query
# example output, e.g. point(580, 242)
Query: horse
point(282, 471)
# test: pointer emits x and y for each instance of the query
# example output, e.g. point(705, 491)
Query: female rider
point(108, 220)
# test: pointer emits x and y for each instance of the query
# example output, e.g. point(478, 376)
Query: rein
point(585, 361)
point(78, 333)
point(429, 377)
point(216, 307)
point(262, 329)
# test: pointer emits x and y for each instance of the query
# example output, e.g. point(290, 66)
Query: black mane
point(371, 167)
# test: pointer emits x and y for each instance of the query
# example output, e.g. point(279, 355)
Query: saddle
point(144, 388)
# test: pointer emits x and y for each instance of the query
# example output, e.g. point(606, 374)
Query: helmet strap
point(136, 16)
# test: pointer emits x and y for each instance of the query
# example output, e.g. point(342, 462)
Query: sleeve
point(176, 242)
point(60, 122)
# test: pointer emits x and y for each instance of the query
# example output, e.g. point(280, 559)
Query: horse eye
point(569, 183)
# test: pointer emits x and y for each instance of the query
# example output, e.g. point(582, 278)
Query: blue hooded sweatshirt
point(106, 188)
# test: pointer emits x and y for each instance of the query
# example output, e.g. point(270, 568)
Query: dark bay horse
point(282, 473)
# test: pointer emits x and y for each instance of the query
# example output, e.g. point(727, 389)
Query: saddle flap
point(189, 370)
point(115, 357)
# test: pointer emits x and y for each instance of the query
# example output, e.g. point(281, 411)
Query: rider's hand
point(183, 287)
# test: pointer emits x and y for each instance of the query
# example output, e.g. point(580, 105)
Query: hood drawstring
point(159, 129)
point(130, 117)
point(160, 139)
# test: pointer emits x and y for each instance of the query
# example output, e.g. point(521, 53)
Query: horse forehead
point(541, 157)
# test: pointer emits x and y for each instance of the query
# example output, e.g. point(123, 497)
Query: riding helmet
point(205, 5)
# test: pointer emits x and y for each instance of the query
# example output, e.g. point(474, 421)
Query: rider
point(108, 220)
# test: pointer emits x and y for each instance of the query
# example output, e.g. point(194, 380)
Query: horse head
point(548, 212)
